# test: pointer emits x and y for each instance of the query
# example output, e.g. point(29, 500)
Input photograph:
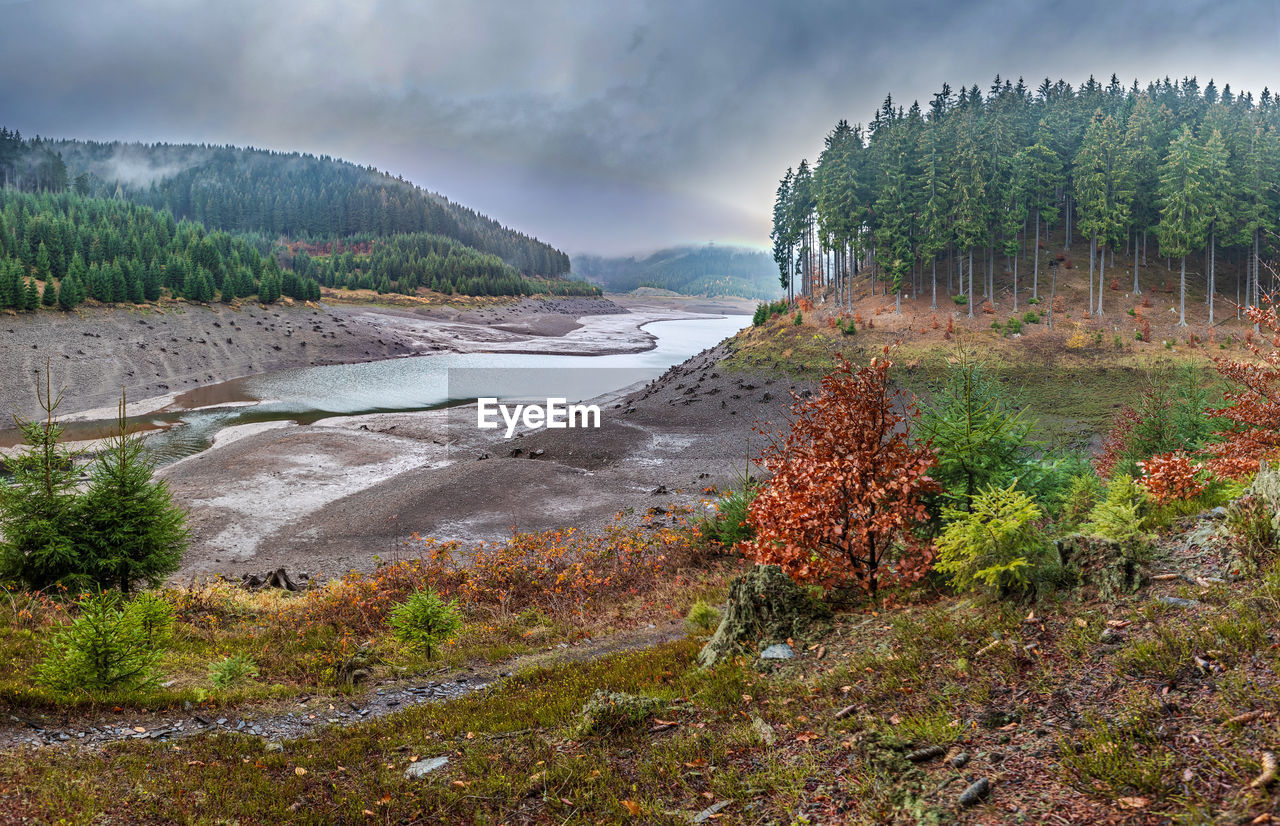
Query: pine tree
point(39, 547)
point(1103, 190)
point(132, 532)
point(31, 297)
point(1184, 212)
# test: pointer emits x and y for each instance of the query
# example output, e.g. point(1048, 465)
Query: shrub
point(729, 525)
point(996, 543)
point(1031, 317)
point(1252, 412)
point(799, 319)
point(702, 617)
point(1118, 517)
point(233, 671)
point(106, 647)
point(1012, 326)
point(1081, 497)
point(154, 616)
point(961, 300)
point(425, 621)
point(1172, 477)
point(761, 314)
point(848, 482)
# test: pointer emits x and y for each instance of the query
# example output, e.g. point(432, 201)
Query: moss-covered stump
point(765, 606)
point(611, 712)
point(1102, 564)
point(1266, 486)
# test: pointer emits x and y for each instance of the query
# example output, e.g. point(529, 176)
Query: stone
point(778, 651)
point(1177, 602)
point(422, 768)
point(960, 760)
point(764, 607)
point(712, 810)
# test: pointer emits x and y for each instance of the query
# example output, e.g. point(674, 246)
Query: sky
point(604, 126)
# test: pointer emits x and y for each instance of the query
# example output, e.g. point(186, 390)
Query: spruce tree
point(1184, 211)
point(132, 531)
point(39, 548)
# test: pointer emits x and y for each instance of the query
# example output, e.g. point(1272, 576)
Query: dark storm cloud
point(607, 125)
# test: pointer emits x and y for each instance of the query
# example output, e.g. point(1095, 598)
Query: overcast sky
point(597, 125)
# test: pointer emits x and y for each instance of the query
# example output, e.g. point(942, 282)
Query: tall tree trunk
point(1015, 285)
point(970, 291)
point(935, 283)
point(1136, 289)
point(1182, 295)
point(1093, 244)
point(1067, 221)
point(1035, 273)
point(1213, 280)
point(1102, 275)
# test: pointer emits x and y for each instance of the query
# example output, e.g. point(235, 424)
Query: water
point(308, 394)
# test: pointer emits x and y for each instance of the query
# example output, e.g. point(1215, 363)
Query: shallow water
point(308, 394)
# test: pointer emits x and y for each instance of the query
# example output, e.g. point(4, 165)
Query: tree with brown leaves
point(1253, 408)
point(847, 483)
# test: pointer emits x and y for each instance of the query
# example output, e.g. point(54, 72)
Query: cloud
point(568, 119)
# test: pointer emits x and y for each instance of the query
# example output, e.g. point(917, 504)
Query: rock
point(611, 711)
point(422, 768)
point(960, 760)
point(1177, 602)
point(274, 746)
point(763, 730)
point(660, 490)
point(764, 606)
point(1218, 513)
point(778, 651)
point(998, 718)
point(1202, 535)
point(1110, 636)
point(976, 793)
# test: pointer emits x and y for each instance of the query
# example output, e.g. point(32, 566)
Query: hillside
point(708, 271)
point(256, 191)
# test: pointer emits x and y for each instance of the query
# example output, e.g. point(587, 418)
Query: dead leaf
point(299, 771)
point(632, 807)
point(1133, 802)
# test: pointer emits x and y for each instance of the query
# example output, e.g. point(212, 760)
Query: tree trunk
point(1093, 245)
point(1182, 296)
point(935, 282)
point(1213, 286)
point(970, 282)
point(1102, 275)
point(1035, 266)
point(1015, 285)
point(1136, 289)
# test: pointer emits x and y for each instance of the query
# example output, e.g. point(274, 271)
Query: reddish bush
point(1171, 477)
point(1068, 264)
point(934, 323)
point(1146, 300)
point(847, 484)
point(988, 308)
point(1252, 411)
point(1115, 284)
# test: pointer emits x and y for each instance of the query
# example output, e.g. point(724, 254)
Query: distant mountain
point(277, 194)
point(710, 270)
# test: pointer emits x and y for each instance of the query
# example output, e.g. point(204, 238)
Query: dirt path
point(289, 720)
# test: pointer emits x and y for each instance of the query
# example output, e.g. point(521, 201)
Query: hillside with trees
point(710, 270)
point(390, 236)
point(58, 250)
point(961, 196)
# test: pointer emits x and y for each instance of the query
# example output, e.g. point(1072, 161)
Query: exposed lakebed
point(416, 383)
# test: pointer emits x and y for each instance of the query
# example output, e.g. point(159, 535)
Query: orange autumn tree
point(1253, 410)
point(847, 484)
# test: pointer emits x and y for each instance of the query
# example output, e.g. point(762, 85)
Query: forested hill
point(255, 191)
point(710, 270)
point(975, 178)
